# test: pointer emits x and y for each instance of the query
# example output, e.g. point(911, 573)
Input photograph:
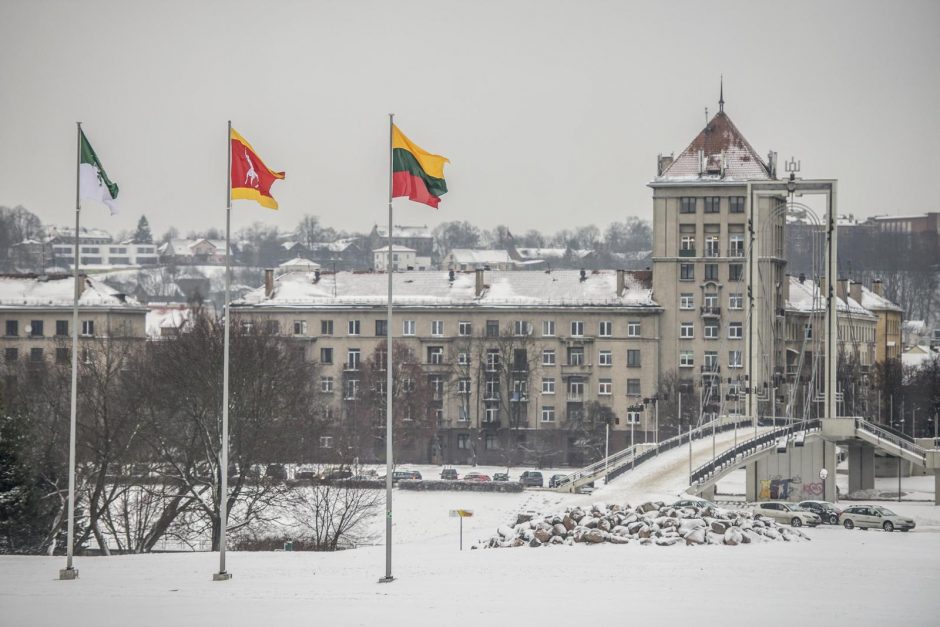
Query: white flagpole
point(224, 575)
point(388, 373)
point(70, 572)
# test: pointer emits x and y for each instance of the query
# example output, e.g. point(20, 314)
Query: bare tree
point(333, 515)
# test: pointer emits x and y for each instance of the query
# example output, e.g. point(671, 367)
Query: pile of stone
point(650, 523)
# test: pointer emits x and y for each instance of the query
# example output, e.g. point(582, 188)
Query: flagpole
point(388, 374)
point(223, 575)
point(70, 572)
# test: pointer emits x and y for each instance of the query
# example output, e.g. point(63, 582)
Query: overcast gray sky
point(552, 113)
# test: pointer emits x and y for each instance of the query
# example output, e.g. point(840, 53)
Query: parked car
point(531, 478)
point(413, 475)
point(449, 474)
point(500, 476)
point(476, 476)
point(874, 517)
point(334, 474)
point(824, 509)
point(694, 501)
point(787, 512)
point(556, 480)
point(275, 472)
point(305, 471)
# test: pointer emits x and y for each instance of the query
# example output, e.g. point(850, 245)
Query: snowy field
point(849, 577)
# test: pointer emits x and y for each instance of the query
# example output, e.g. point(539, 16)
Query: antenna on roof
point(706, 116)
point(721, 96)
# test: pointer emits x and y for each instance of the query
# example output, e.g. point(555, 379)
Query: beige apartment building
point(36, 316)
point(888, 341)
point(523, 366)
point(706, 226)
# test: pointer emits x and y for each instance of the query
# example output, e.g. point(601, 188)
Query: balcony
point(712, 252)
point(490, 425)
point(686, 252)
point(711, 370)
point(735, 252)
point(710, 312)
point(575, 369)
point(575, 397)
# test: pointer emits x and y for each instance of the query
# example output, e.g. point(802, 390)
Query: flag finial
point(721, 96)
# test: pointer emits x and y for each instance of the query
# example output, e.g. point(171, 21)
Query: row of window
point(687, 301)
point(605, 328)
point(712, 330)
point(687, 360)
point(735, 272)
point(36, 328)
point(37, 355)
point(687, 246)
point(711, 204)
point(435, 356)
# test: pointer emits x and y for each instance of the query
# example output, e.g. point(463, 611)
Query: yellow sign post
point(461, 513)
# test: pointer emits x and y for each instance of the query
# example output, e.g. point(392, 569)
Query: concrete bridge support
point(861, 467)
point(794, 473)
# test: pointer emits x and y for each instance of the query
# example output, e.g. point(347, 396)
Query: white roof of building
point(802, 297)
point(560, 288)
point(58, 291)
point(918, 356)
point(873, 302)
point(395, 249)
point(68, 232)
point(167, 317)
point(338, 246)
point(478, 256)
point(917, 327)
point(404, 231)
point(299, 263)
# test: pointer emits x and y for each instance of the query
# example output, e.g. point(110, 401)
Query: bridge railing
point(900, 441)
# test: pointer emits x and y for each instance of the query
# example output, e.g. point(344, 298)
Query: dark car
point(824, 509)
point(500, 476)
point(277, 472)
point(476, 476)
point(557, 480)
point(413, 475)
point(334, 474)
point(449, 474)
point(531, 478)
point(305, 472)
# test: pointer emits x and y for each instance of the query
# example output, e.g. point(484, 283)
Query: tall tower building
point(718, 268)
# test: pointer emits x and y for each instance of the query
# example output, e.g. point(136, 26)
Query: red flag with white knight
point(251, 179)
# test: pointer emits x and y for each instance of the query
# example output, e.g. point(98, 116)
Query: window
point(436, 382)
point(736, 204)
point(606, 328)
point(62, 355)
point(575, 390)
point(711, 330)
point(463, 386)
point(604, 387)
point(633, 417)
point(353, 327)
point(633, 387)
point(736, 300)
point(326, 385)
point(326, 441)
point(548, 357)
point(735, 330)
point(35, 355)
point(548, 328)
point(633, 329)
point(492, 328)
point(687, 301)
point(381, 328)
point(300, 327)
point(687, 330)
point(407, 327)
point(633, 358)
point(491, 412)
point(712, 204)
point(463, 358)
point(353, 359)
point(435, 355)
point(492, 359)
point(735, 271)
point(686, 359)
point(711, 271)
point(11, 354)
point(605, 358)
point(61, 328)
point(13, 328)
point(272, 326)
point(577, 328)
point(735, 359)
point(326, 355)
point(712, 246)
point(575, 355)
point(686, 272)
point(463, 413)
point(548, 385)
point(686, 205)
point(548, 413)
point(352, 389)
point(687, 246)
point(711, 360)
point(437, 327)
point(326, 327)
point(711, 302)
point(491, 442)
point(35, 328)
point(736, 245)
point(464, 328)
point(521, 327)
point(463, 441)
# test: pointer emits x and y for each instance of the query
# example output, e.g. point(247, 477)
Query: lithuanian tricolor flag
point(251, 179)
point(416, 173)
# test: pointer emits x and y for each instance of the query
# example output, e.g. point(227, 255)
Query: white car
point(874, 517)
point(786, 513)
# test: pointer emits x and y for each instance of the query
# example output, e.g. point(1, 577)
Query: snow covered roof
point(162, 317)
point(395, 249)
point(560, 288)
point(874, 302)
point(917, 327)
point(723, 147)
point(68, 232)
point(404, 231)
point(338, 246)
point(918, 356)
point(299, 263)
point(58, 291)
point(913, 216)
point(802, 295)
point(478, 256)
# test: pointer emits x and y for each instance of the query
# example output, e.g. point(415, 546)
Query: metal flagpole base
point(388, 579)
point(67, 574)
point(224, 576)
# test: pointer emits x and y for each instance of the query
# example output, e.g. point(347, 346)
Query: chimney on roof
point(663, 163)
point(802, 278)
point(268, 282)
point(583, 275)
point(701, 162)
point(621, 283)
point(479, 286)
point(842, 288)
point(878, 287)
point(316, 276)
point(855, 291)
point(80, 285)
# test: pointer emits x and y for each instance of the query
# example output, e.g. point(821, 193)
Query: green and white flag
point(93, 182)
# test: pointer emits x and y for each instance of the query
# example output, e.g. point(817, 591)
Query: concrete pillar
point(861, 467)
point(830, 493)
point(709, 493)
point(752, 483)
point(936, 486)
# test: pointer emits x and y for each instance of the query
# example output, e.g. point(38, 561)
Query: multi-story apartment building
point(418, 238)
point(522, 365)
point(888, 341)
point(36, 316)
point(97, 250)
point(704, 217)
